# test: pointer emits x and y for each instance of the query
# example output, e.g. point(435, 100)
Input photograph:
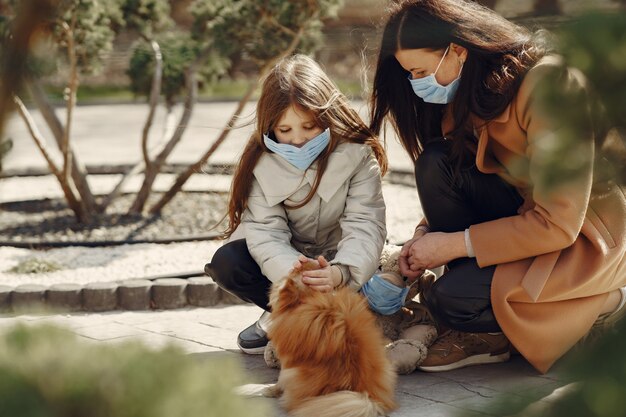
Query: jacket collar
point(447, 123)
point(279, 179)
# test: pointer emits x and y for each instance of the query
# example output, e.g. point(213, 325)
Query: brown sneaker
point(454, 349)
point(605, 323)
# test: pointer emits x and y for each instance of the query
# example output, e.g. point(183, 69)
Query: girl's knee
point(224, 262)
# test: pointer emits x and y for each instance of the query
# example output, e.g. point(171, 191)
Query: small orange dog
point(332, 353)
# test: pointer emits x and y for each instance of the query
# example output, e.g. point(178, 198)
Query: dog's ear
point(288, 295)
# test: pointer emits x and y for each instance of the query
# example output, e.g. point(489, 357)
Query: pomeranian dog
point(332, 353)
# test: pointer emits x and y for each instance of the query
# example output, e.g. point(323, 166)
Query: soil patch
point(189, 214)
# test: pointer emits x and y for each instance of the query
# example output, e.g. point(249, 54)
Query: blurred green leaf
point(48, 372)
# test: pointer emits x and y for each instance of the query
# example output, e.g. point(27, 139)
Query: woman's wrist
point(458, 243)
point(421, 230)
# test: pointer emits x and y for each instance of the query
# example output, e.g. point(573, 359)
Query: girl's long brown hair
point(499, 55)
point(299, 81)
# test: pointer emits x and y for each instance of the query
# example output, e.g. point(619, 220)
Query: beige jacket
point(345, 220)
point(561, 255)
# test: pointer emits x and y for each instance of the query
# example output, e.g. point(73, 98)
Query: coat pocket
point(597, 230)
point(604, 222)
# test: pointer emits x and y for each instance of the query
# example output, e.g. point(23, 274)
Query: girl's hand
point(302, 260)
point(403, 260)
point(435, 249)
point(324, 279)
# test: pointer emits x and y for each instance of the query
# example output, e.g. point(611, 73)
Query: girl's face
point(422, 62)
point(296, 127)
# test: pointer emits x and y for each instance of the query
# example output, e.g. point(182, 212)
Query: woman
point(526, 264)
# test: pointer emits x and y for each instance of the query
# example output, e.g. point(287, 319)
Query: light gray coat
point(344, 221)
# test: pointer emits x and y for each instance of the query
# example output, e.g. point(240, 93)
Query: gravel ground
point(81, 265)
point(189, 213)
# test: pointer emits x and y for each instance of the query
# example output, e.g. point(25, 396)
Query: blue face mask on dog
point(384, 297)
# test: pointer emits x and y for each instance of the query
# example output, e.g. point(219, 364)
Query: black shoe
point(208, 269)
point(252, 340)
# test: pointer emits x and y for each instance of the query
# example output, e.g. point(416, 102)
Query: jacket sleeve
point(555, 215)
point(362, 225)
point(268, 236)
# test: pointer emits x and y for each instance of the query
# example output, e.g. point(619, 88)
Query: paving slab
point(210, 333)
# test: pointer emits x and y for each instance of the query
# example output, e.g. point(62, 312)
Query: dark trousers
point(452, 201)
point(234, 270)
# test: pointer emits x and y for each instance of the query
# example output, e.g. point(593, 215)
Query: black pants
point(460, 298)
point(234, 270)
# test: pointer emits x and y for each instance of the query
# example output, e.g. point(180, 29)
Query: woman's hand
point(403, 260)
point(435, 249)
point(324, 279)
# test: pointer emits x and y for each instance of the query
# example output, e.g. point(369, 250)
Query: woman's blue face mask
point(300, 157)
point(429, 89)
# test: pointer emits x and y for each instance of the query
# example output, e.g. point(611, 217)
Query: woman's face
point(422, 62)
point(296, 127)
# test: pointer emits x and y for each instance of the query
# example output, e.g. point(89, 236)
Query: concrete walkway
point(212, 332)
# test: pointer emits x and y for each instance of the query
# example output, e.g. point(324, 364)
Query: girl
point(525, 263)
point(308, 186)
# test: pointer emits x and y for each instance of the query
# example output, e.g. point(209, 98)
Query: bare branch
point(78, 170)
point(196, 167)
point(155, 92)
point(153, 170)
point(73, 201)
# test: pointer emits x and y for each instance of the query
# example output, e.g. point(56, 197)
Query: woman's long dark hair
point(499, 55)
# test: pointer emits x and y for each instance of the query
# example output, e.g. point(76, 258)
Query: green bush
point(594, 44)
point(35, 266)
point(48, 372)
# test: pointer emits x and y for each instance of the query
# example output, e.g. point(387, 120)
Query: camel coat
point(558, 259)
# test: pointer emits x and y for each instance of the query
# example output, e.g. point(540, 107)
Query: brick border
point(160, 294)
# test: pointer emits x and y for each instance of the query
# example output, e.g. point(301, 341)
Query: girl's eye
point(309, 127)
point(284, 130)
point(418, 74)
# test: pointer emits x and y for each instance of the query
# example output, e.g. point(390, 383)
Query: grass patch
point(35, 266)
point(223, 90)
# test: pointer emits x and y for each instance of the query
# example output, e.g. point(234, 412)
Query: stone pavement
point(212, 332)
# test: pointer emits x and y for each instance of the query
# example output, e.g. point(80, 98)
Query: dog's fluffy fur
point(331, 350)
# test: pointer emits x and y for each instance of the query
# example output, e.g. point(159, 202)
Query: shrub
point(47, 372)
point(35, 266)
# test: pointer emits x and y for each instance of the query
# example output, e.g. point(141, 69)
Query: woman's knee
point(433, 162)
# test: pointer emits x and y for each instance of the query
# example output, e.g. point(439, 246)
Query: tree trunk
point(153, 169)
point(79, 172)
point(71, 97)
point(155, 93)
point(73, 201)
point(196, 167)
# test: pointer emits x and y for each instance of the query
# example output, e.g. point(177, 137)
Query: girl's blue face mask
point(384, 297)
point(429, 89)
point(301, 157)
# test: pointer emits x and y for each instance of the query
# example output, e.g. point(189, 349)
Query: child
point(308, 186)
